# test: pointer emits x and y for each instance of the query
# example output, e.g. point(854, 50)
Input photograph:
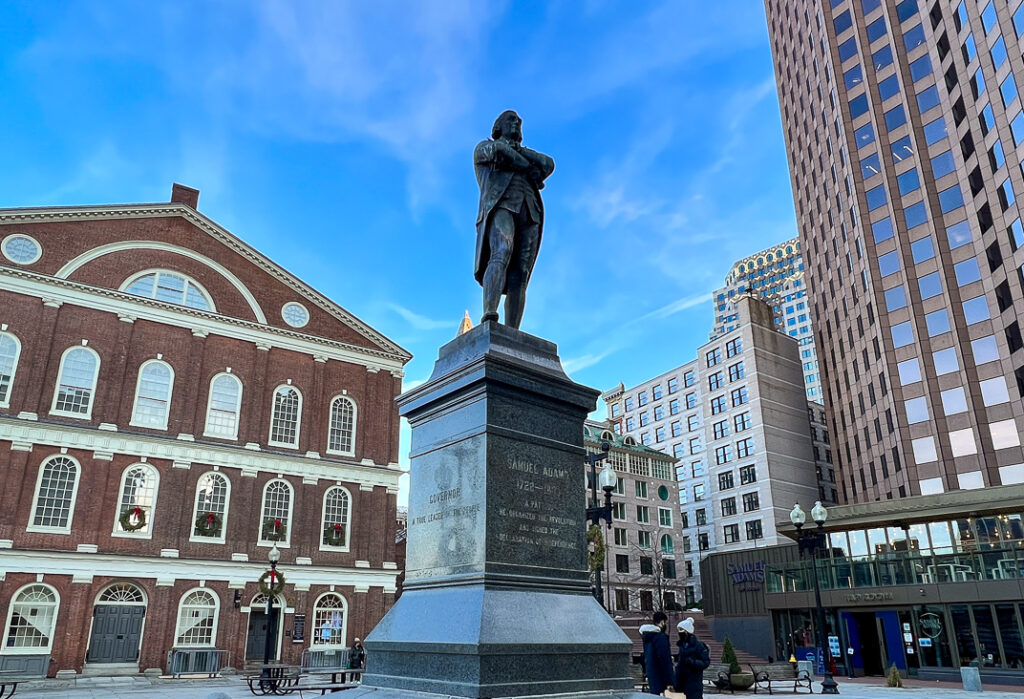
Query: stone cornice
point(128, 305)
point(133, 211)
point(181, 452)
point(105, 564)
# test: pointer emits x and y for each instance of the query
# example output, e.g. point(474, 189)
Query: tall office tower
point(776, 276)
point(747, 442)
point(902, 124)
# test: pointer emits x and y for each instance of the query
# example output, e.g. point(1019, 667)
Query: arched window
point(31, 620)
point(153, 395)
point(284, 420)
point(137, 499)
point(76, 383)
point(329, 620)
point(335, 528)
point(212, 493)
point(197, 619)
point(277, 513)
point(10, 350)
point(121, 593)
point(223, 407)
point(341, 432)
point(171, 287)
point(666, 544)
point(56, 489)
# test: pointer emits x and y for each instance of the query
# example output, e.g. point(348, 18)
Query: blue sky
point(337, 137)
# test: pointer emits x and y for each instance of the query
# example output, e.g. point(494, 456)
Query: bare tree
point(655, 572)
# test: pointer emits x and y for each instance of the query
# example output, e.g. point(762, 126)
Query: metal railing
point(325, 658)
point(196, 661)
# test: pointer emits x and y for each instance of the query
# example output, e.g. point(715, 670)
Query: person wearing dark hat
point(693, 661)
point(657, 654)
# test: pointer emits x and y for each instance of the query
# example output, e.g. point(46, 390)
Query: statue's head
point(509, 125)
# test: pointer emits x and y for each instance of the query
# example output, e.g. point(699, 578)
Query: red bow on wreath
point(137, 512)
point(277, 524)
point(337, 527)
point(209, 519)
point(273, 574)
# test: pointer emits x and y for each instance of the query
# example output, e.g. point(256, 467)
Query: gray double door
point(116, 633)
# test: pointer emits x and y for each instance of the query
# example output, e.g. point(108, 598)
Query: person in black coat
point(657, 654)
point(693, 661)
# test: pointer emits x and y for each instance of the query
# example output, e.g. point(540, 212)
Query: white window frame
point(188, 280)
point(343, 636)
point(87, 415)
point(216, 618)
point(138, 386)
point(286, 543)
point(668, 512)
point(223, 518)
point(34, 650)
point(355, 422)
point(298, 417)
point(35, 498)
point(209, 407)
point(323, 520)
point(150, 516)
point(6, 402)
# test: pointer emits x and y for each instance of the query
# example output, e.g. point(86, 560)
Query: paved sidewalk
point(235, 688)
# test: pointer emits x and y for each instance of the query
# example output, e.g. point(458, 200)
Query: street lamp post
point(273, 556)
point(811, 543)
point(595, 511)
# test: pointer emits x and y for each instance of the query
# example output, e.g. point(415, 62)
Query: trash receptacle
point(971, 677)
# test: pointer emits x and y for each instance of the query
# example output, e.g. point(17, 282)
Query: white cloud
point(421, 322)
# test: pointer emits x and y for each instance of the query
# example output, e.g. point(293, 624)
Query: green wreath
point(126, 519)
point(595, 558)
point(208, 524)
point(277, 588)
point(334, 535)
point(274, 530)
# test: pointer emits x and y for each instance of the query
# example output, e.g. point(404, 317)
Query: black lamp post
point(273, 556)
point(811, 543)
point(595, 511)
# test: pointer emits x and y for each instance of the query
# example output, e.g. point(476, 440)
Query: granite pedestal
point(496, 601)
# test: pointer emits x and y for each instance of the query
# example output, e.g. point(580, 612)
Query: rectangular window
point(725, 480)
point(934, 131)
point(864, 135)
point(659, 434)
point(695, 445)
point(723, 454)
point(1008, 89)
point(643, 514)
point(951, 199)
point(744, 448)
point(715, 381)
point(677, 429)
point(721, 429)
point(621, 561)
point(673, 385)
point(943, 164)
point(882, 57)
point(668, 570)
point(736, 372)
point(646, 565)
point(913, 37)
point(656, 392)
point(741, 422)
point(713, 357)
point(928, 99)
point(876, 197)
point(733, 347)
point(751, 502)
point(664, 517)
point(921, 68)
point(908, 182)
point(688, 379)
point(698, 496)
point(754, 530)
point(644, 419)
point(703, 541)
point(895, 117)
point(739, 396)
point(870, 166)
point(728, 507)
point(621, 538)
point(640, 489)
point(718, 405)
point(697, 469)
point(641, 399)
point(692, 422)
point(731, 532)
point(673, 406)
point(644, 540)
point(748, 474)
point(691, 400)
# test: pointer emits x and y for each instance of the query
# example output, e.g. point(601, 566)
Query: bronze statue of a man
point(511, 216)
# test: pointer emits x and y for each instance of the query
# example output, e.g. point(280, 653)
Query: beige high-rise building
point(902, 123)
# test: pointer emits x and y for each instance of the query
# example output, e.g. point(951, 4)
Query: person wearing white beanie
point(694, 659)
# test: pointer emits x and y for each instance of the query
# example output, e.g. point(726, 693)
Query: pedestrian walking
point(657, 654)
point(693, 661)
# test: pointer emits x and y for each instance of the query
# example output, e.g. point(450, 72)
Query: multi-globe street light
point(811, 543)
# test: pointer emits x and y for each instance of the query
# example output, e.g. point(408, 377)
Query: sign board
point(931, 624)
point(925, 642)
point(298, 628)
point(747, 577)
point(908, 637)
point(833, 647)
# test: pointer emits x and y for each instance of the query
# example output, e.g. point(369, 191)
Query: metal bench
point(716, 676)
point(780, 673)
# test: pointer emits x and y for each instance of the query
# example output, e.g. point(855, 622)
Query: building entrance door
point(870, 646)
point(117, 621)
point(256, 635)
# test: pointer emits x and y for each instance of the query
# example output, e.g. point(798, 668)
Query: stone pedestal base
point(377, 693)
point(497, 599)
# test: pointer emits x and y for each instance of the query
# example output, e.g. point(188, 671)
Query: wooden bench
point(780, 673)
point(716, 676)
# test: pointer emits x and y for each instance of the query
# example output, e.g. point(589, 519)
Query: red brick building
point(173, 403)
